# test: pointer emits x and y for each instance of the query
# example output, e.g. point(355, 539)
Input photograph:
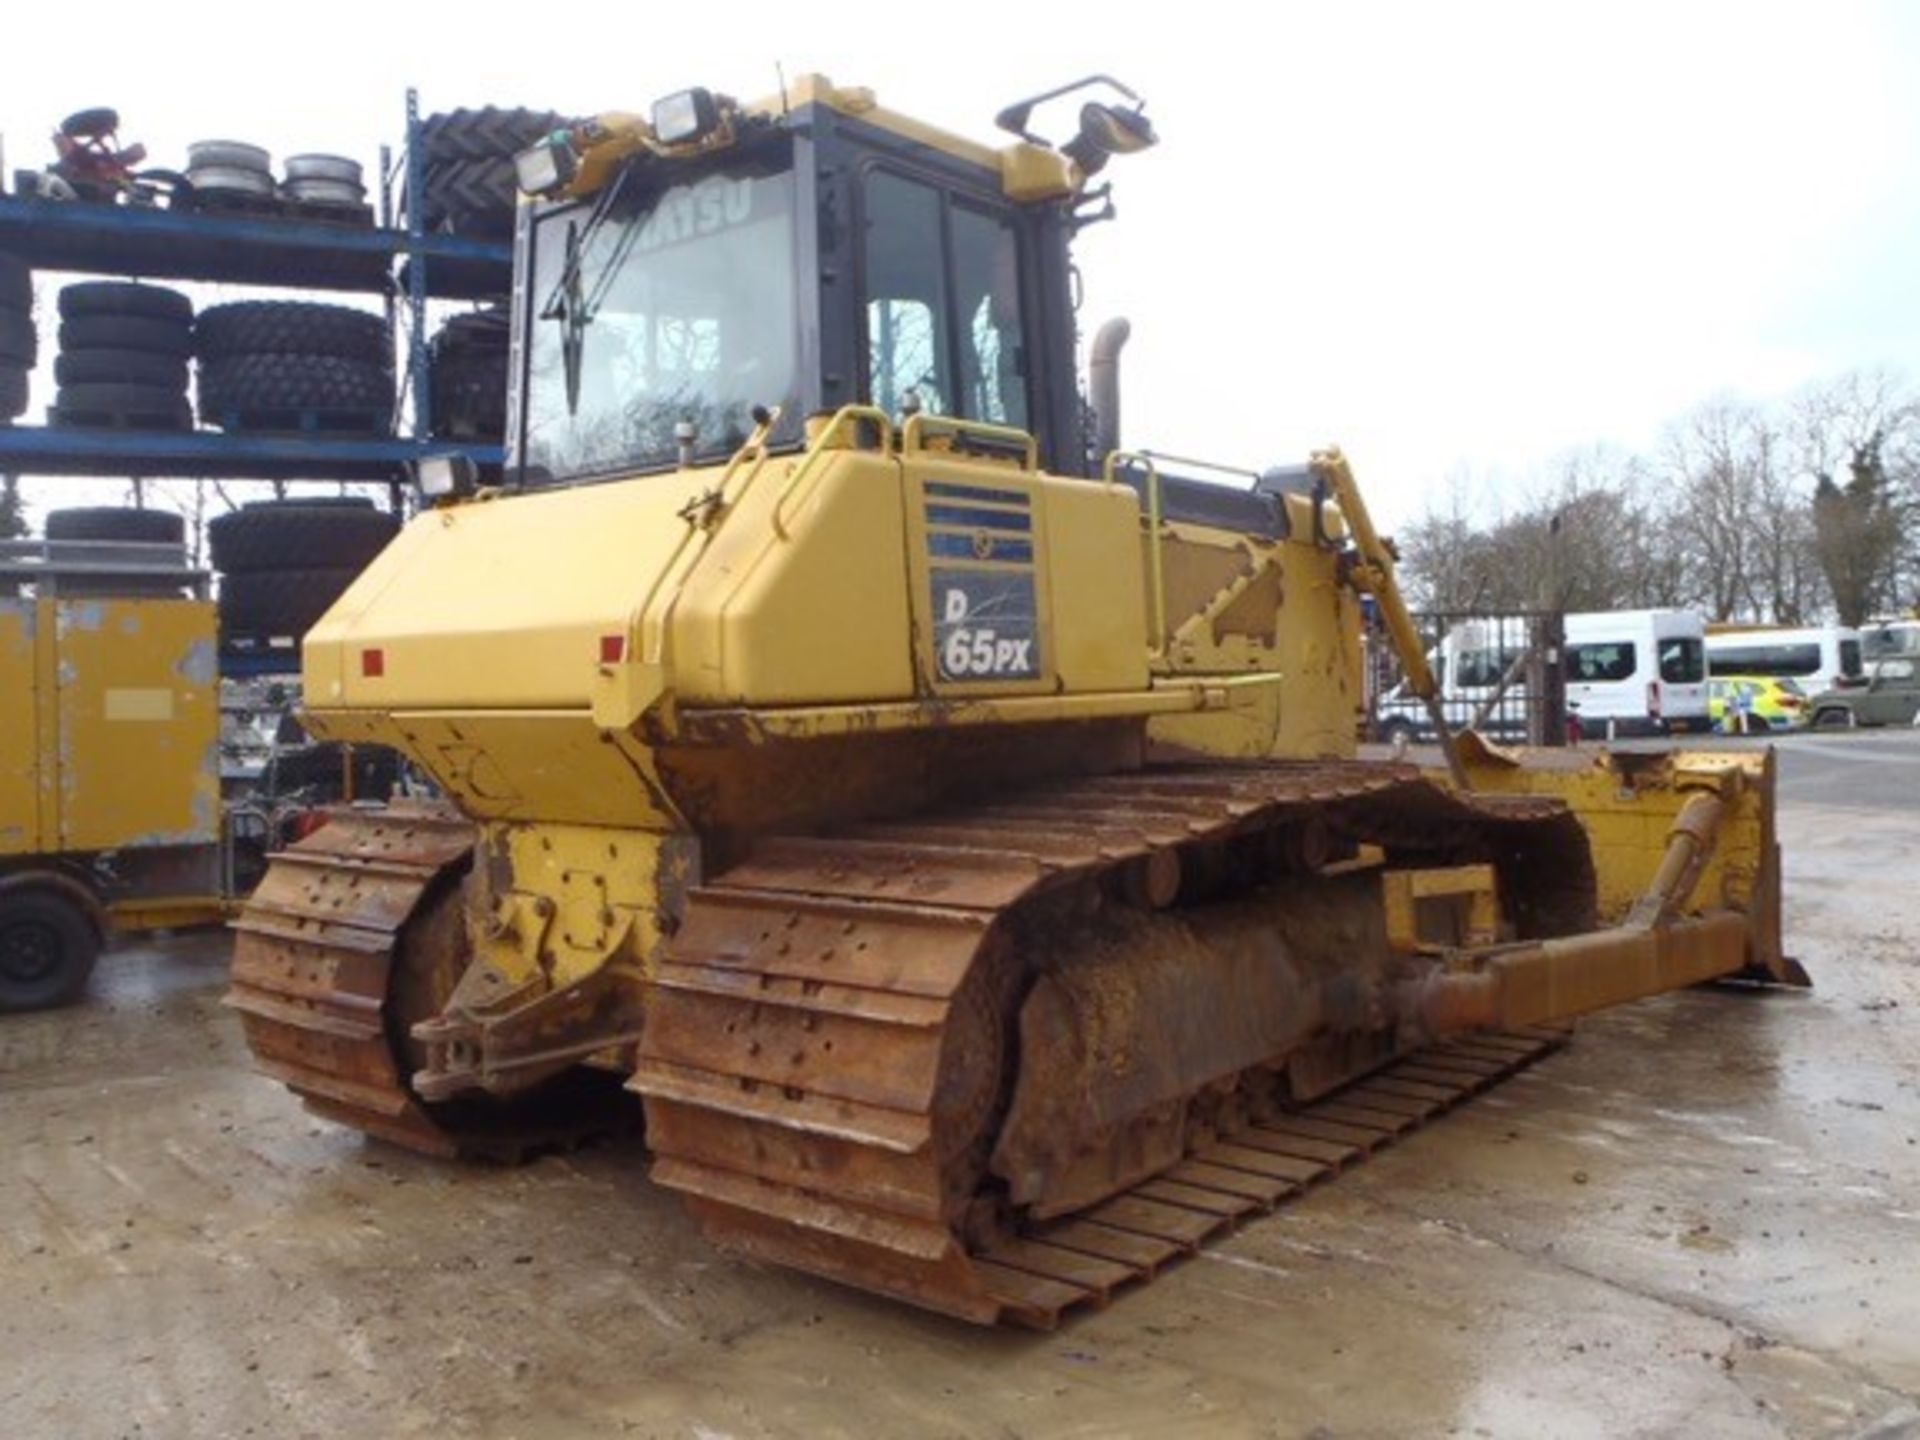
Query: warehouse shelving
point(400, 263)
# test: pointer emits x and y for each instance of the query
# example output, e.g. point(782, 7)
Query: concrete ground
point(1702, 1220)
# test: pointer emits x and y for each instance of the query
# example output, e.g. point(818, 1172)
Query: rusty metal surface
point(312, 961)
point(356, 933)
point(813, 1064)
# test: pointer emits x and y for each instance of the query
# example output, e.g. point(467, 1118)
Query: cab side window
point(942, 305)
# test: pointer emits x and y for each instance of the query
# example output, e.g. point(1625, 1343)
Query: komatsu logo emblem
point(986, 628)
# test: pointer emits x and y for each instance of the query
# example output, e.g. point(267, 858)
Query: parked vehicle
point(1891, 696)
point(1753, 704)
point(1882, 639)
point(1818, 657)
point(1637, 672)
point(1470, 663)
point(1627, 673)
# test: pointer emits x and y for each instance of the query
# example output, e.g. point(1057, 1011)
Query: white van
point(1819, 657)
point(1627, 672)
point(1637, 672)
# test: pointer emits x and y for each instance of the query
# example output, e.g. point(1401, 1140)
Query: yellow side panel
point(809, 609)
point(138, 720)
point(19, 742)
point(1099, 590)
point(1318, 652)
point(518, 765)
point(503, 604)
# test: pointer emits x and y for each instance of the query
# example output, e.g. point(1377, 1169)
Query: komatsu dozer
point(949, 827)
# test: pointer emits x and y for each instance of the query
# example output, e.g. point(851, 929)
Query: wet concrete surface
point(1703, 1219)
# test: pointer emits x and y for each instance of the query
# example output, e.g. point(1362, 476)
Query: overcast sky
point(1459, 237)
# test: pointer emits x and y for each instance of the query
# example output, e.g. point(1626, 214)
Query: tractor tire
point(469, 377)
point(483, 133)
point(16, 284)
point(118, 297)
point(123, 332)
point(121, 367)
point(121, 407)
point(13, 391)
point(469, 392)
point(256, 392)
point(249, 327)
point(48, 946)
point(298, 535)
point(117, 522)
point(19, 339)
point(278, 603)
point(469, 182)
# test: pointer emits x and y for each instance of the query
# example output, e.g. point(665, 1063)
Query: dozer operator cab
point(679, 274)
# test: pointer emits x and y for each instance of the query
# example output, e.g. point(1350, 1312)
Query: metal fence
point(1499, 673)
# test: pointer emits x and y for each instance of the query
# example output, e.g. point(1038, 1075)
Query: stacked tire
point(275, 366)
point(123, 357)
point(19, 338)
point(469, 182)
point(122, 525)
point(282, 563)
point(469, 377)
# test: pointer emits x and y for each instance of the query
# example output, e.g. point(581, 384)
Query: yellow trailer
point(110, 813)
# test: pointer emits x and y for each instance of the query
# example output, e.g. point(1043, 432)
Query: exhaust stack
point(1103, 385)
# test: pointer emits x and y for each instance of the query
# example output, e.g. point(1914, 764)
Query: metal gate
point(1499, 673)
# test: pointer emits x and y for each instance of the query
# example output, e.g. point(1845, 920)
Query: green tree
point(1857, 533)
point(13, 516)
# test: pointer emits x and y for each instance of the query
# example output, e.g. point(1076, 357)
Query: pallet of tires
point(282, 563)
point(123, 357)
point(123, 525)
point(19, 338)
point(293, 367)
point(468, 181)
point(468, 371)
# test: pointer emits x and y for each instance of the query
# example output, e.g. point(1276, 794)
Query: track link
point(312, 961)
point(805, 1024)
point(1036, 1276)
point(320, 978)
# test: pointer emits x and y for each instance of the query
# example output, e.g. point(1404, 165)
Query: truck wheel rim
point(29, 952)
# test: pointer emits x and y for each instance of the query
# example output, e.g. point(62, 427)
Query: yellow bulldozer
point(948, 825)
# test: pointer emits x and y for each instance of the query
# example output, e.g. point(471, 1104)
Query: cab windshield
point(656, 308)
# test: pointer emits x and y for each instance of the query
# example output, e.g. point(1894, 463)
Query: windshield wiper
point(565, 303)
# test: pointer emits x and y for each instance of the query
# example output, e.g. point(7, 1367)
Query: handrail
point(910, 436)
point(1214, 465)
point(755, 449)
point(843, 416)
point(1155, 574)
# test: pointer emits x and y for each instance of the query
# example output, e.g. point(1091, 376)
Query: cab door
point(1892, 696)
